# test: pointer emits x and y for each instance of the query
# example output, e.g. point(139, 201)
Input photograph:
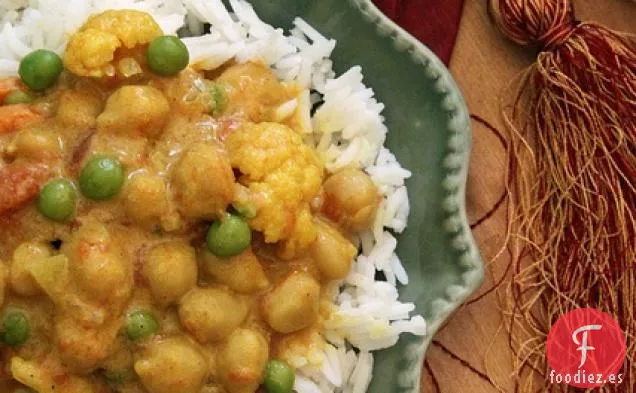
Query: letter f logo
point(583, 345)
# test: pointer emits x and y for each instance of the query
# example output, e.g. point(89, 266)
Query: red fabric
point(434, 22)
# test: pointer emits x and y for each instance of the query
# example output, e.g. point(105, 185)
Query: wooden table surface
point(483, 64)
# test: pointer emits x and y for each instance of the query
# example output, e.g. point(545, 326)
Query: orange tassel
point(572, 179)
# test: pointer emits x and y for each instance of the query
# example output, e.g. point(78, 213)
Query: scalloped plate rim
point(474, 263)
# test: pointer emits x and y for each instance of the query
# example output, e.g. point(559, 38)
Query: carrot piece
point(7, 85)
point(14, 117)
point(19, 184)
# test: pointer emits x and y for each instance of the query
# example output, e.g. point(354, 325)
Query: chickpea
point(351, 199)
point(79, 108)
point(253, 91)
point(102, 273)
point(242, 273)
point(98, 264)
point(211, 314)
point(146, 199)
point(135, 110)
point(171, 365)
point(204, 182)
point(20, 277)
point(293, 304)
point(332, 253)
point(187, 92)
point(82, 347)
point(242, 360)
point(171, 271)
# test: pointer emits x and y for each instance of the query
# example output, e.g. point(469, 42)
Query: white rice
point(346, 130)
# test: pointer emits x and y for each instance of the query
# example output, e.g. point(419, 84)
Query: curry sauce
point(127, 292)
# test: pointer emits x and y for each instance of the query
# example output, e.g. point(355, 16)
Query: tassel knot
point(557, 36)
point(544, 24)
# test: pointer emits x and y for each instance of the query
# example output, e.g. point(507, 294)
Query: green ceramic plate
point(429, 132)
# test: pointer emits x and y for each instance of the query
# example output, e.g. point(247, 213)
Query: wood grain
point(483, 65)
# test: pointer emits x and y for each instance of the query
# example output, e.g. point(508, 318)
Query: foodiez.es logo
point(586, 349)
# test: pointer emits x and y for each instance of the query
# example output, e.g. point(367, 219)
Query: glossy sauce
point(145, 249)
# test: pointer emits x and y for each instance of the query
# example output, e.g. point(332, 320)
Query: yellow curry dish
point(164, 229)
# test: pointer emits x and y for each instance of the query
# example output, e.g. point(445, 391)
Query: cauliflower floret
point(283, 175)
point(130, 26)
point(91, 50)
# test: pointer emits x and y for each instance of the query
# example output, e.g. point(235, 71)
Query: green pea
point(228, 237)
point(279, 377)
point(15, 328)
point(57, 200)
point(167, 55)
point(141, 324)
point(101, 178)
point(40, 69)
point(17, 97)
point(218, 97)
